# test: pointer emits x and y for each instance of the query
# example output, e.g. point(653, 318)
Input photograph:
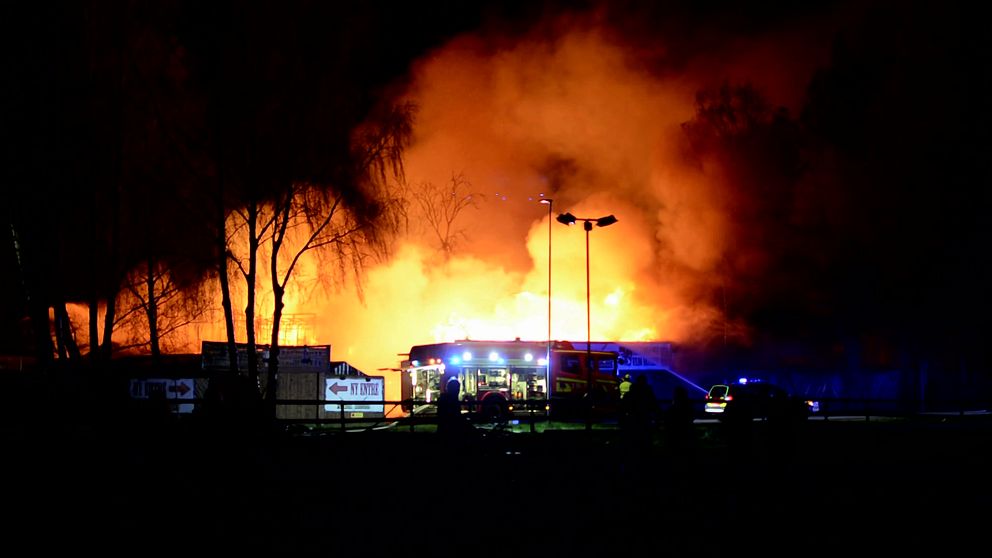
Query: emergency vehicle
point(497, 375)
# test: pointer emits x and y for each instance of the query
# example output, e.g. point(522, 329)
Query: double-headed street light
point(569, 219)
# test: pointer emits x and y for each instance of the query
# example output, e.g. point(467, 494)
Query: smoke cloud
point(574, 112)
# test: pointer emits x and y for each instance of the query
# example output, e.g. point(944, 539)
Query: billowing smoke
point(573, 113)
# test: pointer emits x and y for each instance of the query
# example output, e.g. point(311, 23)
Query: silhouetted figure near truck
point(642, 405)
point(639, 410)
point(455, 433)
point(449, 410)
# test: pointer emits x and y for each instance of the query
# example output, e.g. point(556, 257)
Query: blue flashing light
point(415, 363)
point(742, 380)
point(528, 357)
point(494, 356)
point(466, 356)
point(455, 360)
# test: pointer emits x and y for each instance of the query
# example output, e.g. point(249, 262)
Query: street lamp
point(547, 370)
point(569, 219)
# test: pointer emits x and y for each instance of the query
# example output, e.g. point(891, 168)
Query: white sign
point(364, 389)
point(166, 388)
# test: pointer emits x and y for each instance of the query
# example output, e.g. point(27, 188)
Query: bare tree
point(153, 306)
point(255, 223)
point(79, 113)
point(350, 221)
point(441, 207)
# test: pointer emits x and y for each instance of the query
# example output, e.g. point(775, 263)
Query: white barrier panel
point(364, 390)
point(165, 388)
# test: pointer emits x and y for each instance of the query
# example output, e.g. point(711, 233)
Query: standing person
point(624, 407)
point(638, 426)
point(642, 404)
point(449, 409)
point(625, 384)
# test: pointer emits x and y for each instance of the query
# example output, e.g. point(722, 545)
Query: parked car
point(755, 399)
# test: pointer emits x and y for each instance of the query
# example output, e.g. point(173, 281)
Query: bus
point(497, 375)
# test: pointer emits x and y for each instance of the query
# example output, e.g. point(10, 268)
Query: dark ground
point(841, 488)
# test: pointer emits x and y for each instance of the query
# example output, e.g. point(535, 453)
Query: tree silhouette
point(295, 171)
point(441, 205)
point(84, 111)
point(350, 221)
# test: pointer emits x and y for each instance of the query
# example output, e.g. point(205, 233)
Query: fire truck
point(499, 376)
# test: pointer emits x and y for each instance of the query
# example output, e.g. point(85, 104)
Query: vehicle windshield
point(717, 392)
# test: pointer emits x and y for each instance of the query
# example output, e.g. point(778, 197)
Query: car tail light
point(728, 398)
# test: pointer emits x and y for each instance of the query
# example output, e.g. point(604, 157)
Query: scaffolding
point(294, 330)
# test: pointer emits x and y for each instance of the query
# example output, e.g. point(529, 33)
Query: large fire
point(577, 118)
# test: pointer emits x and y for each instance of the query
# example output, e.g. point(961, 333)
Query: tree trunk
point(151, 308)
point(60, 348)
point(272, 383)
point(37, 312)
point(112, 285)
point(225, 286)
point(250, 285)
point(225, 295)
point(278, 291)
point(63, 334)
point(70, 340)
point(107, 347)
point(94, 327)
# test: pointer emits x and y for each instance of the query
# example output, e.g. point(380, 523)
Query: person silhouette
point(642, 404)
point(624, 386)
point(637, 427)
point(449, 409)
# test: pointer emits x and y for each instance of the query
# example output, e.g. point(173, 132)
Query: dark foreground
point(841, 488)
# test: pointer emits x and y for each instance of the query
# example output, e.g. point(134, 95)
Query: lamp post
point(547, 370)
point(569, 219)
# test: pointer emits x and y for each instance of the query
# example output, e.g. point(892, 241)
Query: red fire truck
point(499, 375)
